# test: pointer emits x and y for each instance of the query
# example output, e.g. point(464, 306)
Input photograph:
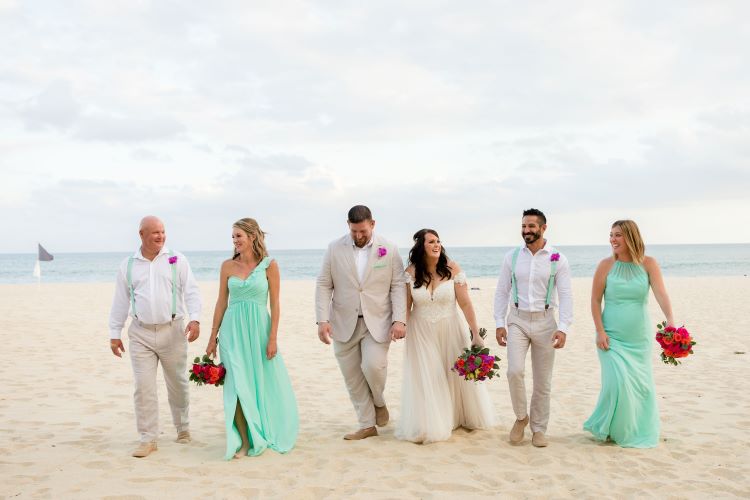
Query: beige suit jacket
point(381, 297)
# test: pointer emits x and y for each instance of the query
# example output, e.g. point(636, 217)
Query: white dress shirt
point(152, 281)
point(532, 277)
point(361, 257)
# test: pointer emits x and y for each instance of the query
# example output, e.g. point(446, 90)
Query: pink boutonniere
point(554, 257)
point(173, 259)
point(382, 252)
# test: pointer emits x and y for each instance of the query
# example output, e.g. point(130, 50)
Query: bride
point(435, 400)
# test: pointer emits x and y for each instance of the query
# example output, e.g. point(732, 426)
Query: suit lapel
point(371, 259)
point(349, 263)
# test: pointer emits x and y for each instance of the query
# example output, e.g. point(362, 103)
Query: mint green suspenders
point(514, 284)
point(131, 288)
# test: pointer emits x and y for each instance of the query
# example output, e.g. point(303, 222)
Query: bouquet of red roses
point(674, 342)
point(476, 363)
point(205, 371)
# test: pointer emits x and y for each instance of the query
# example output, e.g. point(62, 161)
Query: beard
point(531, 237)
point(360, 243)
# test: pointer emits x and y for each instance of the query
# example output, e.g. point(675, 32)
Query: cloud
point(288, 163)
point(148, 155)
point(437, 115)
point(114, 128)
point(727, 119)
point(54, 107)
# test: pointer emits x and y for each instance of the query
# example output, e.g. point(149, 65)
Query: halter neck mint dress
point(261, 386)
point(626, 411)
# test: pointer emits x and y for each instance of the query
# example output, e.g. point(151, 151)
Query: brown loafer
point(362, 434)
point(539, 440)
point(381, 416)
point(145, 449)
point(183, 437)
point(516, 433)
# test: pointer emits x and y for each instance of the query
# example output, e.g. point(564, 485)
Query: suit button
point(360, 290)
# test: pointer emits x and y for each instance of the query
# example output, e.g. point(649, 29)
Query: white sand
point(67, 426)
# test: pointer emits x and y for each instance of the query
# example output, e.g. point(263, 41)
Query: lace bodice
point(439, 303)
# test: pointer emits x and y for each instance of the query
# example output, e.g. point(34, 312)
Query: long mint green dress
point(626, 411)
point(262, 386)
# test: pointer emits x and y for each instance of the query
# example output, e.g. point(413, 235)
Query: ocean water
point(477, 262)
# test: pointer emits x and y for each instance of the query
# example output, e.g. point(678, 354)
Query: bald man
point(156, 288)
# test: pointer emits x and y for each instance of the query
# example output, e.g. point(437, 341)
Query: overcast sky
point(451, 115)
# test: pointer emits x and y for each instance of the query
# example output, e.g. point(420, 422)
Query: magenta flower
point(382, 252)
point(554, 257)
point(173, 259)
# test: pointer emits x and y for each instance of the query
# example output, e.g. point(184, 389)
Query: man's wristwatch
point(321, 322)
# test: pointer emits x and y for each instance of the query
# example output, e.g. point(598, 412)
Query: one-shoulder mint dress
point(626, 411)
point(261, 386)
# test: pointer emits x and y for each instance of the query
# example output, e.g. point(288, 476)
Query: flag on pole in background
point(42, 256)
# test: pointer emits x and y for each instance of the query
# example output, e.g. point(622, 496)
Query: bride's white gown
point(434, 399)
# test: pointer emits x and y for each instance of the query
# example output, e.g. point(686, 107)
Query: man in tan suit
point(360, 302)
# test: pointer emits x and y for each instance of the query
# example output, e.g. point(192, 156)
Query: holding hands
point(398, 331)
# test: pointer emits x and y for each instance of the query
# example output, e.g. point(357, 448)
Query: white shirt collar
point(139, 253)
point(548, 248)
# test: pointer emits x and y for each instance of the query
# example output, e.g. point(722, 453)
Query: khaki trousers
point(363, 362)
point(149, 346)
point(531, 329)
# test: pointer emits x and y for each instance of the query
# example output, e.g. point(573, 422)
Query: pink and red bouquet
point(476, 363)
point(205, 371)
point(675, 343)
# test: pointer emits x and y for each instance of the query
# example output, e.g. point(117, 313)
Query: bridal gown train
point(435, 400)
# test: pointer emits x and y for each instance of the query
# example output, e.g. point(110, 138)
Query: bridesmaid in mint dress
point(259, 405)
point(626, 411)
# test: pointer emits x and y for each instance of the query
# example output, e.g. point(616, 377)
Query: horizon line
point(323, 248)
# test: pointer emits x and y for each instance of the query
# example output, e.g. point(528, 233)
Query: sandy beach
point(67, 425)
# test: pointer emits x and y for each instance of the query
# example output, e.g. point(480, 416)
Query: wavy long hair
point(251, 228)
point(418, 259)
point(633, 239)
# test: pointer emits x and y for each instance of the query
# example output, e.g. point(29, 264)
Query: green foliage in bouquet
point(205, 371)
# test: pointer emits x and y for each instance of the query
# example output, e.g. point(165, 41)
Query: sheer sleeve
point(409, 278)
point(460, 279)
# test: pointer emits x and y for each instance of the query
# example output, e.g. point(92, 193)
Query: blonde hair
point(251, 228)
point(633, 239)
